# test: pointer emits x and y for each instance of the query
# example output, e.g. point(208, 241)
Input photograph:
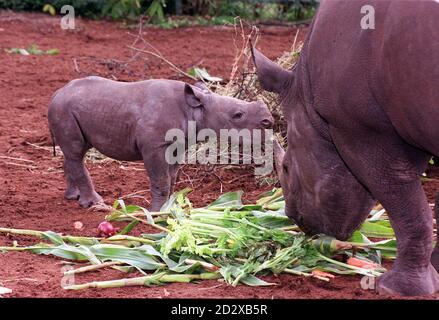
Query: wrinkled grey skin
point(129, 121)
point(363, 120)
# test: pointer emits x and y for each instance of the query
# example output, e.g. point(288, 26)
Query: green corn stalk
point(43, 235)
point(147, 281)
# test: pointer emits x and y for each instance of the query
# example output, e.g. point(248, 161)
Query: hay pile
point(244, 84)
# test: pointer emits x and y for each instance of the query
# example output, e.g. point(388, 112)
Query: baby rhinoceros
point(129, 122)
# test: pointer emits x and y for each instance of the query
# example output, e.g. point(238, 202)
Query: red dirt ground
point(31, 191)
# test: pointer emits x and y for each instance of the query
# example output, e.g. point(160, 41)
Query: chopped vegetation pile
point(238, 243)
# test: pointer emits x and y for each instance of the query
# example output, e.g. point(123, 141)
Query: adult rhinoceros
point(362, 107)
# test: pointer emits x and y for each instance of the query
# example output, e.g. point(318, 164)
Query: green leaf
point(358, 237)
point(326, 245)
point(125, 269)
point(250, 207)
point(154, 236)
point(272, 220)
point(143, 257)
point(377, 215)
point(120, 204)
point(129, 227)
point(272, 198)
point(52, 51)
point(377, 229)
point(21, 51)
point(202, 74)
point(173, 199)
point(33, 49)
point(228, 200)
point(49, 8)
point(53, 237)
point(74, 253)
point(253, 281)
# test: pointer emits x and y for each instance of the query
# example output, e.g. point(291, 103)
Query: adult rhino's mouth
point(300, 222)
point(292, 213)
point(312, 229)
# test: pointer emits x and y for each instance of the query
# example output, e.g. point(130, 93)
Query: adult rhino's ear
point(271, 76)
point(193, 97)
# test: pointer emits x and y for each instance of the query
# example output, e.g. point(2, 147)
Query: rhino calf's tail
point(53, 143)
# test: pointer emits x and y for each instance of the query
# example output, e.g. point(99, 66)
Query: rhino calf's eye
point(238, 115)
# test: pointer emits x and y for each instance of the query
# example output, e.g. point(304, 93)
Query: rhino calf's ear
point(192, 98)
point(271, 76)
point(202, 86)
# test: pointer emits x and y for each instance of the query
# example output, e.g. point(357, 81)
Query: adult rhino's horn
point(272, 77)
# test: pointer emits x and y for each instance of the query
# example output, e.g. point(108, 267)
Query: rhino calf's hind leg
point(72, 191)
point(78, 174)
point(74, 146)
point(435, 254)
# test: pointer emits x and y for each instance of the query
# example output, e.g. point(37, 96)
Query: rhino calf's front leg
point(159, 177)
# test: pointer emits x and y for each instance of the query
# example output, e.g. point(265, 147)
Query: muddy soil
point(31, 191)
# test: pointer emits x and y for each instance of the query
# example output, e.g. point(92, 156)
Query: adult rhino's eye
point(238, 115)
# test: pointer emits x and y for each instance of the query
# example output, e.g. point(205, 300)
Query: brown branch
point(173, 66)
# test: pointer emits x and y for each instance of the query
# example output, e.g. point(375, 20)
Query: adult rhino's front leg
point(173, 174)
point(391, 170)
point(435, 254)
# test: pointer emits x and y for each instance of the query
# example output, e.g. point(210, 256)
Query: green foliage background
point(85, 8)
point(131, 9)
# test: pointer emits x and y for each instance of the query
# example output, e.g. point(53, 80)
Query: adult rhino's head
point(221, 112)
point(321, 193)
